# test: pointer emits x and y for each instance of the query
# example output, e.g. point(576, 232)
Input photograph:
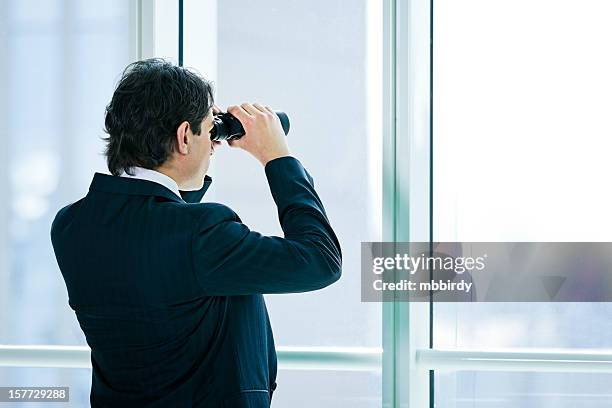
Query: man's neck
point(185, 183)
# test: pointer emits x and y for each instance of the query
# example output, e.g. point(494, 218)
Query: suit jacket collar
point(133, 186)
point(195, 196)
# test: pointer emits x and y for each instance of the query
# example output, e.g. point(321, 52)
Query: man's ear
point(182, 138)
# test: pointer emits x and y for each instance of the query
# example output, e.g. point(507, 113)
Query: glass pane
point(78, 380)
point(328, 389)
point(318, 61)
point(58, 85)
point(521, 152)
point(314, 66)
point(60, 61)
point(485, 389)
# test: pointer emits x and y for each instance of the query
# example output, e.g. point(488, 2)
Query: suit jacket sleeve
point(230, 259)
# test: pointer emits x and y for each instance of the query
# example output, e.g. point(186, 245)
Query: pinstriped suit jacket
point(168, 291)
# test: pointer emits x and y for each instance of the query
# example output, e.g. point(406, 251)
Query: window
point(320, 68)
point(511, 146)
point(60, 61)
point(521, 149)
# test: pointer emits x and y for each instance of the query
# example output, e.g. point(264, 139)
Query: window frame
point(406, 171)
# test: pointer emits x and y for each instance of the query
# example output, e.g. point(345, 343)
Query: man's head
point(159, 118)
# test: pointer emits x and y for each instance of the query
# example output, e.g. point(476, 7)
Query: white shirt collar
point(156, 177)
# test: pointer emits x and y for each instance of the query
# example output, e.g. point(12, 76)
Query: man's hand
point(264, 136)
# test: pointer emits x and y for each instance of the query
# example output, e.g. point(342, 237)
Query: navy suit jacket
point(168, 291)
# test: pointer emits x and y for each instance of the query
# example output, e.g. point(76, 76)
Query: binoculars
point(227, 127)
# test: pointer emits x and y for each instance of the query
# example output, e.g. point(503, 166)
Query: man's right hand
point(264, 136)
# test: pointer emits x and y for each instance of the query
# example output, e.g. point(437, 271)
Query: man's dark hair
point(153, 97)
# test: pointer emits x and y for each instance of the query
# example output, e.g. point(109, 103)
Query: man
point(168, 290)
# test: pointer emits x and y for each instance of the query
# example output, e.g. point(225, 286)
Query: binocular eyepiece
point(227, 127)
